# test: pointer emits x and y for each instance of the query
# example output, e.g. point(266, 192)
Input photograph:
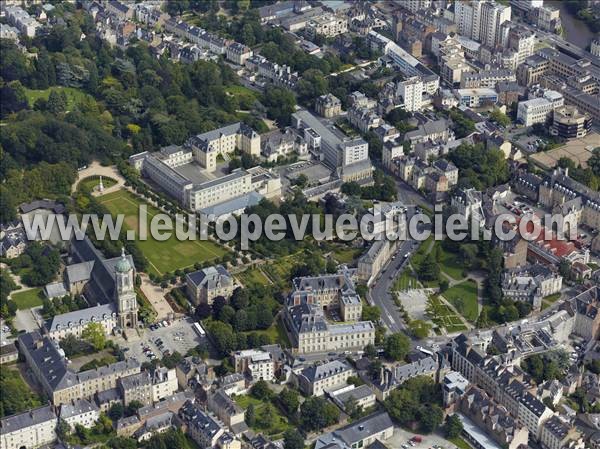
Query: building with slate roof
point(110, 281)
point(314, 380)
point(227, 410)
point(29, 429)
point(203, 286)
point(59, 326)
point(204, 428)
point(62, 385)
point(363, 395)
point(361, 433)
point(80, 412)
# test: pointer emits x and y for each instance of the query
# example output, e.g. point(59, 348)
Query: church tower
point(125, 292)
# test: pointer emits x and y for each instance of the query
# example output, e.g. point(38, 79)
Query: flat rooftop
point(198, 175)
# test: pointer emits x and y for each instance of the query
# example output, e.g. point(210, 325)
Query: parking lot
point(178, 336)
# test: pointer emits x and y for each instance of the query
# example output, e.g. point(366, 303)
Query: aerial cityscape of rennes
point(300, 224)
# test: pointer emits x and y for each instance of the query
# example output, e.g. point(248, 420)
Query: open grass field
point(549, 300)
point(405, 281)
point(443, 316)
point(279, 422)
point(74, 96)
point(28, 298)
point(463, 297)
point(167, 255)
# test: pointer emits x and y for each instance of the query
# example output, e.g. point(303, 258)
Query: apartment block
point(315, 380)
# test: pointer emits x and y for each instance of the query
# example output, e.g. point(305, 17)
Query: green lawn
point(449, 264)
point(549, 300)
point(89, 184)
point(164, 256)
point(405, 281)
point(277, 333)
point(280, 422)
point(74, 96)
point(346, 255)
point(28, 298)
point(253, 276)
point(463, 297)
point(460, 443)
point(443, 316)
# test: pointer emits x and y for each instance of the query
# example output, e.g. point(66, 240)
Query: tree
point(371, 313)
point(266, 417)
point(396, 346)
point(370, 351)
point(289, 401)
point(260, 390)
point(499, 117)
point(116, 411)
point(94, 334)
point(133, 407)
point(280, 104)
point(594, 161)
point(453, 426)
point(430, 418)
point(429, 269)
point(352, 408)
point(292, 439)
point(63, 429)
point(57, 101)
point(316, 413)
point(250, 416)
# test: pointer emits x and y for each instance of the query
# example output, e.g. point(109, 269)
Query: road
point(379, 293)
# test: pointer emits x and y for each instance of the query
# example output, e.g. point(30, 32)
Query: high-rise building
point(481, 21)
point(411, 91)
point(492, 17)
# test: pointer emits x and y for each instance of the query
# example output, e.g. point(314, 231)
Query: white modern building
point(411, 91)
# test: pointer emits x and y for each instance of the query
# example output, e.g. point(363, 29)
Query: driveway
point(95, 169)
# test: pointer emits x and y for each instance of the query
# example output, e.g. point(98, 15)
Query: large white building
point(327, 25)
point(538, 109)
point(411, 91)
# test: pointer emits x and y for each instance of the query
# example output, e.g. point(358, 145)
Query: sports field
point(164, 256)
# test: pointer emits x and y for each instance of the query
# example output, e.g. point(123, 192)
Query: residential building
point(370, 263)
point(137, 387)
point(432, 131)
point(227, 411)
point(202, 427)
point(259, 364)
point(316, 379)
point(533, 414)
point(192, 370)
point(328, 106)
point(557, 434)
point(363, 119)
point(30, 429)
point(496, 421)
point(238, 53)
point(80, 412)
point(469, 204)
point(486, 78)
point(569, 123)
point(454, 386)
point(531, 284)
point(327, 25)
point(362, 396)
point(13, 244)
point(74, 323)
point(8, 353)
point(411, 91)
point(203, 286)
point(21, 20)
point(62, 385)
point(164, 383)
point(361, 433)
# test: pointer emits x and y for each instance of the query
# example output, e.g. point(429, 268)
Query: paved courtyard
point(179, 336)
point(401, 438)
point(414, 302)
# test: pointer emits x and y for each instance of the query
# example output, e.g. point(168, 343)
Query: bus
point(199, 329)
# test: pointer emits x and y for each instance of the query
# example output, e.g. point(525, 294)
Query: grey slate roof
point(358, 393)
point(211, 277)
point(319, 372)
point(76, 408)
point(26, 419)
point(235, 204)
point(81, 317)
